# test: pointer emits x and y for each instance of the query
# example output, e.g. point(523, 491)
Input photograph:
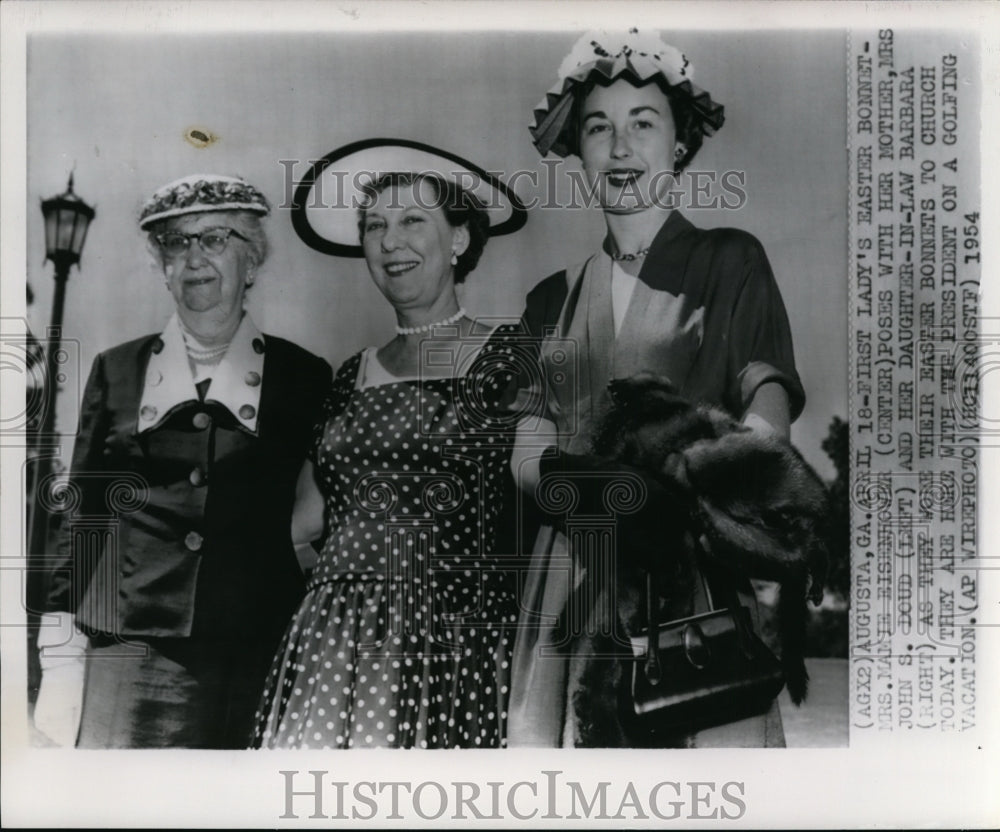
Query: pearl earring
point(454, 257)
point(679, 152)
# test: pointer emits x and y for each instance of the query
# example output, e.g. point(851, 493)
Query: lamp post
point(67, 218)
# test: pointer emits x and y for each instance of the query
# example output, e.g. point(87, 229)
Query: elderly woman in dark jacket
point(178, 571)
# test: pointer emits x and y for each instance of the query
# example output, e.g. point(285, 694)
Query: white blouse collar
point(236, 380)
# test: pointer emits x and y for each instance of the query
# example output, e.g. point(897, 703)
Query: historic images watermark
point(320, 794)
point(37, 365)
point(557, 186)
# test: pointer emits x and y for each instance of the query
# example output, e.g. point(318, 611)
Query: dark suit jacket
point(183, 530)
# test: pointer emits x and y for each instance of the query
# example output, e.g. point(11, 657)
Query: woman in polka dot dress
point(402, 637)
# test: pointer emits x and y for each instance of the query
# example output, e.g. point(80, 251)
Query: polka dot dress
point(403, 636)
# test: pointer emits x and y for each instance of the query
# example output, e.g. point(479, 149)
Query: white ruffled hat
point(635, 55)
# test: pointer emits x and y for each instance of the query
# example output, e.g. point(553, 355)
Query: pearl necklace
point(199, 354)
point(628, 258)
point(416, 330)
point(213, 357)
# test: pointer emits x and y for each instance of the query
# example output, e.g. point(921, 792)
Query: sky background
point(121, 125)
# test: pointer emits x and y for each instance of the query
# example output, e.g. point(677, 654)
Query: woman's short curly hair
point(687, 123)
point(460, 208)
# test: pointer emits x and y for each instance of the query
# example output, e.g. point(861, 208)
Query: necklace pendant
point(628, 257)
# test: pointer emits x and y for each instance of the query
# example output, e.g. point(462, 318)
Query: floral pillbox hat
point(609, 56)
point(202, 192)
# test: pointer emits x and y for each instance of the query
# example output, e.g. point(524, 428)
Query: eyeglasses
point(211, 240)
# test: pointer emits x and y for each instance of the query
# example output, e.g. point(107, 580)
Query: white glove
point(62, 650)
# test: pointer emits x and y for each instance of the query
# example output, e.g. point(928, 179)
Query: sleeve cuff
point(60, 643)
point(758, 373)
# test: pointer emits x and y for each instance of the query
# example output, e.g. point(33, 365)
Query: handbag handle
point(653, 668)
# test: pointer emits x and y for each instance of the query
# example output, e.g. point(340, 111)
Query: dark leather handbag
point(704, 670)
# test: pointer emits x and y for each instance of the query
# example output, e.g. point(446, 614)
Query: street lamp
point(67, 218)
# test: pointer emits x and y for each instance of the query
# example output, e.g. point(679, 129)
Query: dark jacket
point(183, 529)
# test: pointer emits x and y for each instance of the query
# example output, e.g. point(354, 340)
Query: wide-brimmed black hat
point(326, 201)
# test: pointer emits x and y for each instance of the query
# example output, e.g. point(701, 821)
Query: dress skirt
point(345, 679)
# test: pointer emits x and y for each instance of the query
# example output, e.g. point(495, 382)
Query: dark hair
point(687, 123)
point(460, 208)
